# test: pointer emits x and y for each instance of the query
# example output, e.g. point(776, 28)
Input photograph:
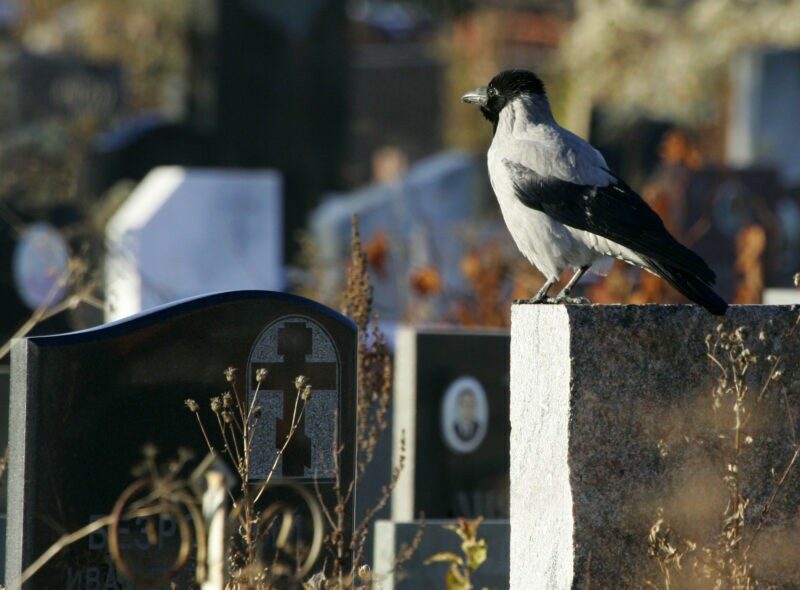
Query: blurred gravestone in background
point(43, 99)
point(68, 86)
point(41, 87)
point(720, 204)
point(396, 87)
point(414, 221)
point(185, 232)
point(764, 128)
point(267, 83)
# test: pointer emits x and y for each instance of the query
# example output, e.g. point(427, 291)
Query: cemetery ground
point(696, 490)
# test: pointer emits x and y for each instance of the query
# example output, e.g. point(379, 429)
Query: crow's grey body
point(564, 207)
point(528, 136)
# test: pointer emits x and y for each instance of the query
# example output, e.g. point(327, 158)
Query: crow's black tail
point(690, 286)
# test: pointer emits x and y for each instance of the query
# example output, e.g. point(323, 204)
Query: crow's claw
point(535, 300)
point(573, 300)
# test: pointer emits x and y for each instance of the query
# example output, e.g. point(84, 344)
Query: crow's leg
point(564, 297)
point(541, 296)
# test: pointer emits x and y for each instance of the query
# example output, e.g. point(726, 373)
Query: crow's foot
point(536, 300)
point(573, 300)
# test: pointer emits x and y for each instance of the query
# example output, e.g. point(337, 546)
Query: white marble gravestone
point(185, 232)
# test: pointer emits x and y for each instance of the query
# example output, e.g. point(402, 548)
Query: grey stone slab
point(612, 418)
point(391, 538)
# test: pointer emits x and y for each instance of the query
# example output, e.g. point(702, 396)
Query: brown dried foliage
point(486, 270)
point(374, 358)
point(751, 244)
point(374, 397)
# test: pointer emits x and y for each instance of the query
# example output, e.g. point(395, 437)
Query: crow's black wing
point(614, 212)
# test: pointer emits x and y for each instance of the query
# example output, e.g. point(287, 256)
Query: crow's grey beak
point(477, 96)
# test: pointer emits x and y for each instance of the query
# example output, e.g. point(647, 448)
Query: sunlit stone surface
point(613, 418)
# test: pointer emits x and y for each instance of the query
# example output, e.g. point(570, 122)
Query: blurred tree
point(667, 58)
point(487, 39)
point(43, 158)
point(148, 37)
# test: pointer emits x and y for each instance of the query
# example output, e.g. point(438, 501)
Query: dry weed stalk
point(374, 396)
point(374, 359)
point(726, 563)
point(236, 422)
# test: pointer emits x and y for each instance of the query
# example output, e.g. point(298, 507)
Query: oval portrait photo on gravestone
point(465, 415)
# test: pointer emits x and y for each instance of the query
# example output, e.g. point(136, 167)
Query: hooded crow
point(564, 207)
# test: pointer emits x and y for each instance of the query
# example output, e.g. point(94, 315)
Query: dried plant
point(726, 561)
point(486, 270)
point(751, 244)
point(474, 550)
point(236, 422)
point(374, 358)
point(374, 397)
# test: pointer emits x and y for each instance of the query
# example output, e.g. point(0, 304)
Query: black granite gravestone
point(67, 86)
point(451, 400)
point(84, 404)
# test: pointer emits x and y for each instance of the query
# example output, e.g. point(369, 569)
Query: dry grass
point(725, 562)
point(235, 421)
point(374, 398)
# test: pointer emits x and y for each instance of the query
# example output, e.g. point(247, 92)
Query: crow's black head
point(504, 87)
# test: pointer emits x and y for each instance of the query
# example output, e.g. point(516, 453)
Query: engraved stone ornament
point(290, 347)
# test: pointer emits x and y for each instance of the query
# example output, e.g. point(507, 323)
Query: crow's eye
point(492, 91)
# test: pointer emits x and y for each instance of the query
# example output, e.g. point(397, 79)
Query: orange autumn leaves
point(422, 281)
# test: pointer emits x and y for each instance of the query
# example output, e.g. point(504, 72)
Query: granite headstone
point(451, 404)
point(84, 404)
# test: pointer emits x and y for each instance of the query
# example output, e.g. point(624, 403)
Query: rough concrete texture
point(614, 421)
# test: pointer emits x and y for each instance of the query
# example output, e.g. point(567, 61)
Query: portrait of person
point(464, 415)
point(466, 425)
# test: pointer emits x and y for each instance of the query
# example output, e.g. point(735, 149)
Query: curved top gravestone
point(84, 404)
